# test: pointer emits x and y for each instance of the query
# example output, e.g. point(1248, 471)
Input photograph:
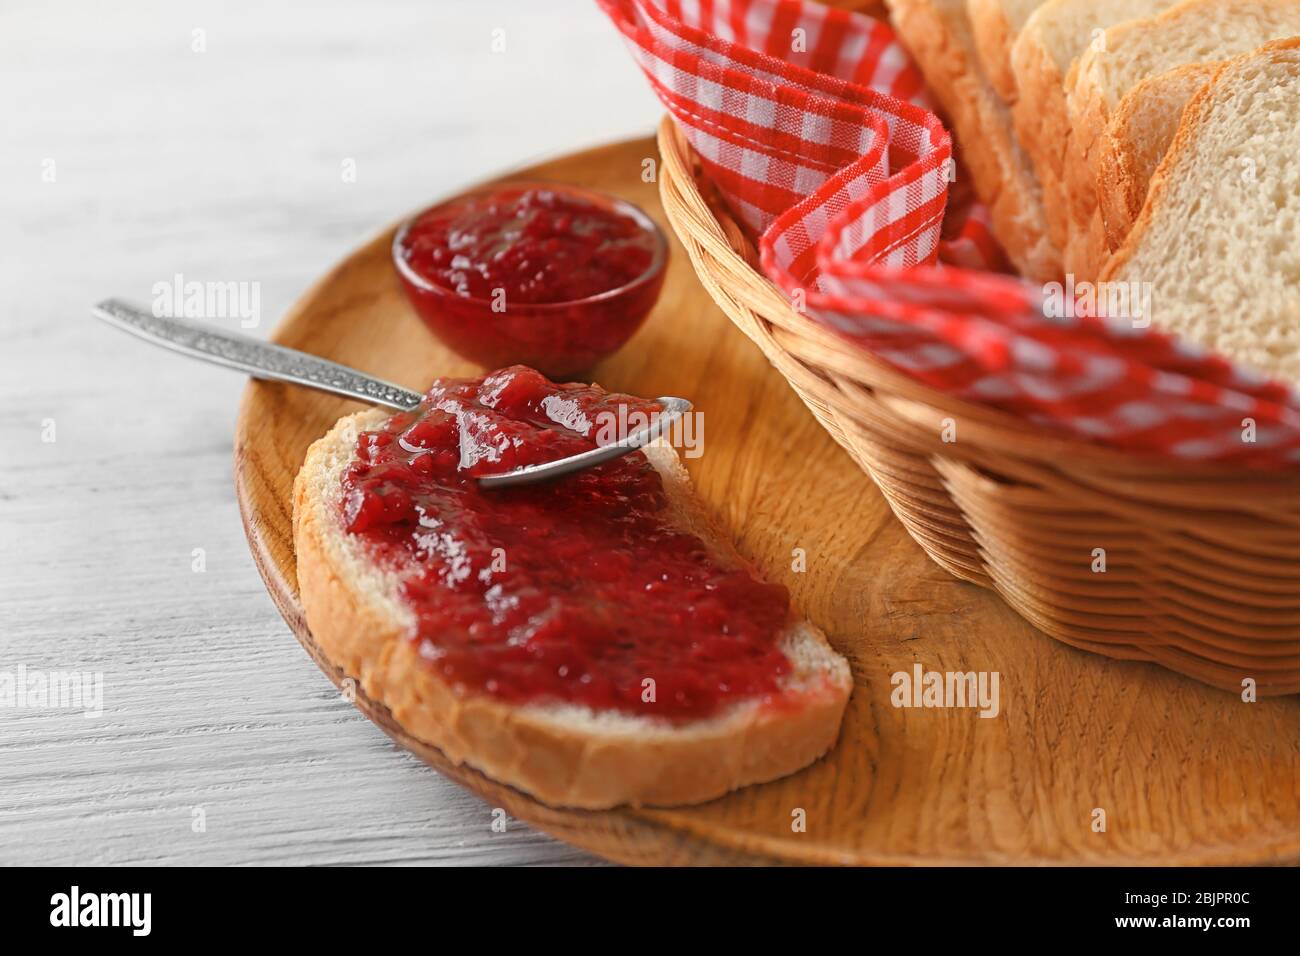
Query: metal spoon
point(263, 360)
point(673, 409)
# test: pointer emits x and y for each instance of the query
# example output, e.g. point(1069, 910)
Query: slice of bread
point(995, 24)
point(1136, 140)
point(938, 34)
point(564, 755)
point(1044, 51)
point(1196, 31)
point(1216, 238)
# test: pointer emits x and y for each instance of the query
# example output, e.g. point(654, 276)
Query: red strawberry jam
point(575, 591)
point(534, 245)
point(549, 275)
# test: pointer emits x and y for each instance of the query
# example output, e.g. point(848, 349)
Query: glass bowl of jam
point(539, 274)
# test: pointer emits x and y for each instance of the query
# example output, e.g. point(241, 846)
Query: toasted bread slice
point(1216, 238)
point(939, 36)
point(995, 24)
point(1196, 31)
point(1136, 140)
point(1042, 56)
point(564, 755)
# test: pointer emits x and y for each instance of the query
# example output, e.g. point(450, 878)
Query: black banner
point(333, 906)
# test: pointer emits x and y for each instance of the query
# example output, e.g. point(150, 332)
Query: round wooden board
point(1184, 774)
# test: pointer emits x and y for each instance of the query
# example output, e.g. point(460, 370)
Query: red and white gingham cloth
point(815, 125)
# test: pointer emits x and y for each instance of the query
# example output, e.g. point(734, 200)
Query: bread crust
point(1126, 164)
point(548, 751)
point(1195, 115)
point(1041, 124)
point(1087, 250)
point(993, 39)
point(1041, 113)
point(940, 41)
point(1087, 113)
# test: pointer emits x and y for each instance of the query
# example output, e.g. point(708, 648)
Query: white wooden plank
point(222, 165)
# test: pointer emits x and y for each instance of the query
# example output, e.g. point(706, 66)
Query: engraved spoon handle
point(259, 359)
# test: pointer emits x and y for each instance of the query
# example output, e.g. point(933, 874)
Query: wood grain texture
point(1184, 773)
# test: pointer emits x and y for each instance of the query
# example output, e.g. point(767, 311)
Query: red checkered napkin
point(816, 128)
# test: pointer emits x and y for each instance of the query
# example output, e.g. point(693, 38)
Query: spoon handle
point(259, 359)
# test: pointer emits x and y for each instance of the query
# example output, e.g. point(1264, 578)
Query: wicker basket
point(1202, 563)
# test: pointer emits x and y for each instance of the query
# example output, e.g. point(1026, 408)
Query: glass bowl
point(558, 339)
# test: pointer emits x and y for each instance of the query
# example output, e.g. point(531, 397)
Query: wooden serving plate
point(1184, 774)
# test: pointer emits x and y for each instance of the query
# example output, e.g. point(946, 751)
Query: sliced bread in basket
point(995, 24)
point(1197, 31)
point(1136, 140)
point(1041, 58)
point(1215, 243)
point(938, 34)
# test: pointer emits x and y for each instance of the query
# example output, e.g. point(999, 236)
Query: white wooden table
point(127, 156)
